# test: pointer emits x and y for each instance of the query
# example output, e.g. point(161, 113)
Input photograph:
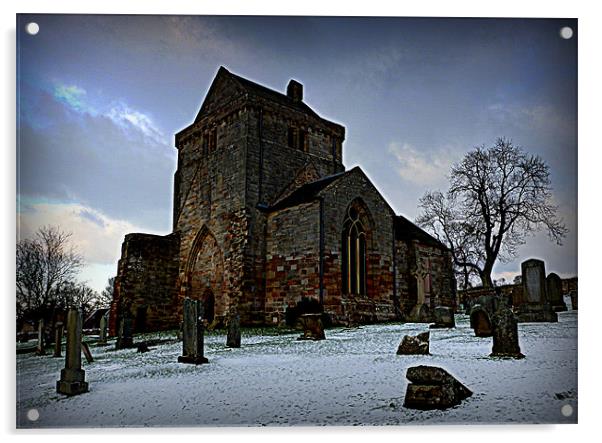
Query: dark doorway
point(140, 325)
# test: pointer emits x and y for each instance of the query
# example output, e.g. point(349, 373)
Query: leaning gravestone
point(536, 305)
point(433, 388)
point(313, 329)
point(505, 334)
point(72, 380)
point(40, 349)
point(58, 339)
point(554, 289)
point(414, 345)
point(125, 337)
point(102, 339)
point(233, 337)
point(192, 333)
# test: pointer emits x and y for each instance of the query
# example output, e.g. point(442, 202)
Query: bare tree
point(497, 197)
point(44, 264)
point(106, 296)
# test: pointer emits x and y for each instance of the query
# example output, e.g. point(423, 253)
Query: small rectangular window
point(302, 141)
point(292, 137)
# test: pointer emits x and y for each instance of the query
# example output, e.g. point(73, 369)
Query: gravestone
point(40, 348)
point(536, 306)
point(414, 345)
point(104, 323)
point(125, 337)
point(505, 334)
point(433, 388)
point(443, 317)
point(233, 337)
point(72, 380)
point(313, 328)
point(58, 339)
point(554, 289)
point(480, 321)
point(192, 333)
point(87, 353)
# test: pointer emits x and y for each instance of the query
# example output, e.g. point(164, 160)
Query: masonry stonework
point(265, 217)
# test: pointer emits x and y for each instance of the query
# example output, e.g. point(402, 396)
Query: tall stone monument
point(104, 324)
point(40, 349)
point(72, 380)
point(536, 306)
point(58, 339)
point(554, 289)
point(193, 333)
point(125, 338)
point(233, 337)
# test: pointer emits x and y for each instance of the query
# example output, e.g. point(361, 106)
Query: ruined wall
point(145, 286)
point(379, 303)
point(292, 259)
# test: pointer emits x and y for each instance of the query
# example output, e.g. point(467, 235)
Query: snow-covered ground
point(353, 377)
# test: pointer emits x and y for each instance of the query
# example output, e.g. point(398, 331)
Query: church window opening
point(354, 254)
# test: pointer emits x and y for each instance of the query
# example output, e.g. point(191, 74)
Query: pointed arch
point(355, 243)
point(205, 274)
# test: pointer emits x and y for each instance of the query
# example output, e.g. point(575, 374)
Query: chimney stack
point(294, 90)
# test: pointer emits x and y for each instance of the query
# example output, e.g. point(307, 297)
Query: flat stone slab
point(433, 388)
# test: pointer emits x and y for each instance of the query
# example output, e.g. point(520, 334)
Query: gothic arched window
point(354, 254)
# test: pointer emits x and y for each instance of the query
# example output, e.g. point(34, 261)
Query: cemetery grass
point(353, 377)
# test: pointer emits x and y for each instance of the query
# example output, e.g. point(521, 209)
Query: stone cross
point(72, 380)
point(125, 338)
point(58, 338)
point(505, 334)
point(233, 338)
point(40, 348)
point(102, 340)
point(192, 333)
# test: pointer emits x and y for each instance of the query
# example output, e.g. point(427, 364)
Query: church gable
point(222, 91)
point(306, 174)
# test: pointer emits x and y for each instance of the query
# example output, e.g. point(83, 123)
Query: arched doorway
point(205, 275)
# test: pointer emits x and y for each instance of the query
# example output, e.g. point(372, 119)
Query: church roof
point(270, 94)
point(305, 193)
point(407, 231)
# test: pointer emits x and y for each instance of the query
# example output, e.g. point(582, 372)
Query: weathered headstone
point(233, 337)
point(414, 345)
point(536, 306)
point(554, 289)
point(125, 337)
point(433, 388)
point(58, 339)
point(480, 321)
point(40, 348)
point(312, 327)
point(505, 334)
point(104, 323)
point(72, 380)
point(443, 317)
point(193, 333)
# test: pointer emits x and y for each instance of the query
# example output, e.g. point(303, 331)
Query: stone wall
point(145, 286)
point(292, 259)
point(379, 303)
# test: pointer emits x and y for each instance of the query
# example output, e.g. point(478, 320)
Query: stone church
point(266, 220)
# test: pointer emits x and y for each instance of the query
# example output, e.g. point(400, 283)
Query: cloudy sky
point(100, 98)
